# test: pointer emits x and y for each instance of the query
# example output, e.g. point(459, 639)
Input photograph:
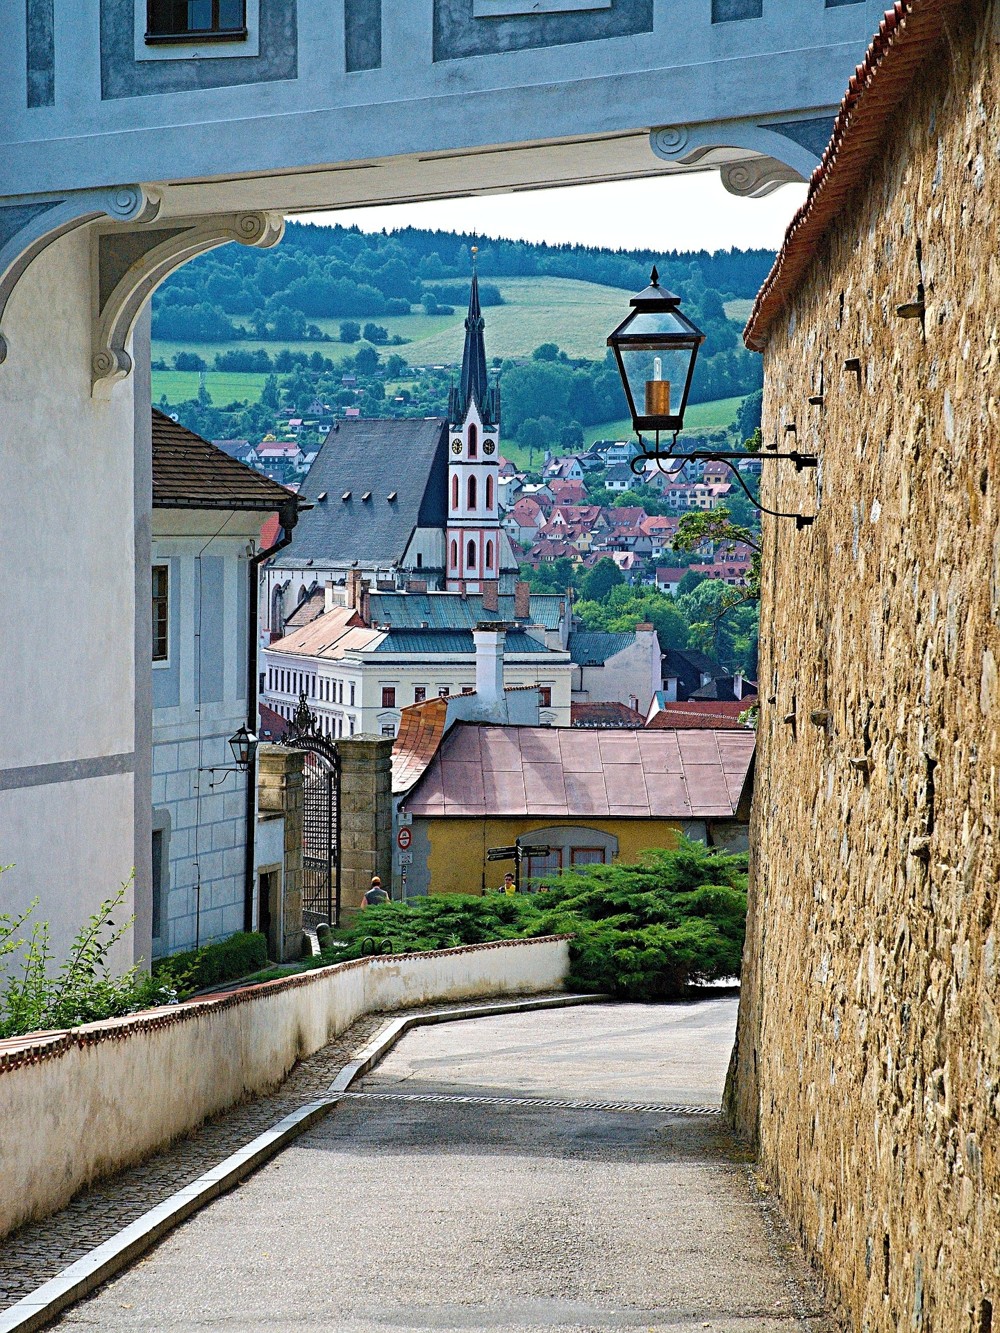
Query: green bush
point(214, 964)
point(37, 994)
point(641, 931)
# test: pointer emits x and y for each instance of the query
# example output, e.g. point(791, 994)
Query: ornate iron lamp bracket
point(677, 461)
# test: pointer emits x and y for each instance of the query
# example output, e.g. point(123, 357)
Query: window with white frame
point(161, 613)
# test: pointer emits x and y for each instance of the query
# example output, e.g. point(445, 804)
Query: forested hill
point(373, 321)
point(324, 272)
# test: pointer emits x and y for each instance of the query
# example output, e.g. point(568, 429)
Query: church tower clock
point(476, 548)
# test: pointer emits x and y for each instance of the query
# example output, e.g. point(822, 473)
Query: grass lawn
point(739, 309)
point(224, 386)
point(715, 415)
point(576, 315)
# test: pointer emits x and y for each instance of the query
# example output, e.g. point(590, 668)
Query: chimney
point(365, 606)
point(416, 585)
point(738, 684)
point(491, 599)
point(522, 601)
point(328, 595)
point(354, 589)
point(489, 641)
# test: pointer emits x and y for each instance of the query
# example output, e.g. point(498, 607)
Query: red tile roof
point(604, 715)
point(709, 714)
point(908, 34)
point(560, 772)
point(272, 725)
point(421, 731)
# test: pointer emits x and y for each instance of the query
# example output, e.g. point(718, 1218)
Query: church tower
point(476, 547)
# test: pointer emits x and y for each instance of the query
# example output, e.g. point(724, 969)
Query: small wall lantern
point(656, 348)
point(243, 744)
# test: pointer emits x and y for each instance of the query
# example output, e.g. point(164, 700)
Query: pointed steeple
point(474, 385)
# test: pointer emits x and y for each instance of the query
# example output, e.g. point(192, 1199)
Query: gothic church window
point(472, 493)
point(489, 492)
point(489, 555)
point(470, 555)
point(454, 492)
point(473, 442)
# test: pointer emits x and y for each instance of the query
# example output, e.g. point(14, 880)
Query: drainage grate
point(547, 1103)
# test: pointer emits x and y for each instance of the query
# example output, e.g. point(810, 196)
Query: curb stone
point(79, 1279)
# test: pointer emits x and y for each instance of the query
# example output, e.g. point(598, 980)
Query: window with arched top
point(489, 492)
point(454, 555)
point(472, 492)
point(473, 442)
point(470, 555)
point(489, 555)
point(454, 491)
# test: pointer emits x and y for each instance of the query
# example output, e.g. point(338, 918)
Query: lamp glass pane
point(656, 323)
point(649, 372)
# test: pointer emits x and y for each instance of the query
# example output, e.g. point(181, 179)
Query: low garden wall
point(75, 1106)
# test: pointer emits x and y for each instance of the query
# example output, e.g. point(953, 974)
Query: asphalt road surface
point(468, 1186)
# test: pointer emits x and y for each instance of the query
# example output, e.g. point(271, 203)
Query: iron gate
point(320, 819)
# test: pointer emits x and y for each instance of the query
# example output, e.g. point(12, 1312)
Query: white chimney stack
point(489, 671)
point(328, 595)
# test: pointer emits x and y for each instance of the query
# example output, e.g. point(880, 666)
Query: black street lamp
point(243, 745)
point(656, 348)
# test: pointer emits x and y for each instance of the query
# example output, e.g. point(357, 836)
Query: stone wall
point(868, 1058)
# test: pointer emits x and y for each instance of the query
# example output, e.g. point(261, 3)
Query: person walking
point(375, 895)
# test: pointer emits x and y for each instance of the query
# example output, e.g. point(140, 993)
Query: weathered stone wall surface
point(868, 1060)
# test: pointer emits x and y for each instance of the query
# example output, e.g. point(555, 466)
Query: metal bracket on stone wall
point(31, 223)
point(129, 264)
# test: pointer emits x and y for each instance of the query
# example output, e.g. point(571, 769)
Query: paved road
point(410, 1208)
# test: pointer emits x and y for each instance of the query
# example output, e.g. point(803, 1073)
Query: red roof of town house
point(628, 516)
point(270, 532)
point(527, 512)
point(421, 730)
point(909, 32)
point(565, 772)
point(712, 715)
point(569, 492)
point(670, 575)
point(272, 726)
point(609, 714)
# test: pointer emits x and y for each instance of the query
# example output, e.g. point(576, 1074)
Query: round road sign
point(403, 838)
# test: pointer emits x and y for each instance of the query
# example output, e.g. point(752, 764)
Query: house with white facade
point(620, 667)
point(359, 666)
point(207, 514)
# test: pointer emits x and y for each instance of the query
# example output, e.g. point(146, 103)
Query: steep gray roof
point(594, 647)
point(449, 610)
point(424, 643)
point(405, 459)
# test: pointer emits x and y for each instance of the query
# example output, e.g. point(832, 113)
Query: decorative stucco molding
point(782, 152)
point(130, 263)
point(757, 177)
point(28, 225)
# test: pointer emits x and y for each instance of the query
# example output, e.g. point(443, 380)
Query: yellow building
point(590, 796)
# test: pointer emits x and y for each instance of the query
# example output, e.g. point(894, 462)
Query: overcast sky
point(682, 212)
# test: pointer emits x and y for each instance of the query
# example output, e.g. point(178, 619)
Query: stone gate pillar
point(280, 790)
point(365, 818)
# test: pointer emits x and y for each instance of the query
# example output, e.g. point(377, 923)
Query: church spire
point(474, 386)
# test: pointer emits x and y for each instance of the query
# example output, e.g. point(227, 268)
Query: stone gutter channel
point(47, 1266)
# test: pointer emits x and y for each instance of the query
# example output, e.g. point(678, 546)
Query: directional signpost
point(517, 853)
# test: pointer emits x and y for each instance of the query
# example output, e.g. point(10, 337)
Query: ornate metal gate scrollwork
point(320, 818)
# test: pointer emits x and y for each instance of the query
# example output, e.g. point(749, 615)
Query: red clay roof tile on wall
point(907, 35)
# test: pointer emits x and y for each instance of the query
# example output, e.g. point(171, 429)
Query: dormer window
point(195, 21)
